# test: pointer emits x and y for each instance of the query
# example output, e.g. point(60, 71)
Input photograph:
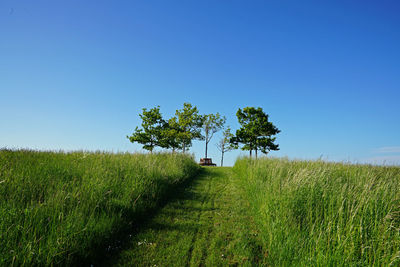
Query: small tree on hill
point(150, 135)
point(189, 123)
point(212, 123)
point(171, 135)
point(256, 131)
point(225, 145)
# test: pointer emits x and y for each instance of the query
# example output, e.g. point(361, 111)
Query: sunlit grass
point(59, 208)
point(207, 223)
point(313, 213)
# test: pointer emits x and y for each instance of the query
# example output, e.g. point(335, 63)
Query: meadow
point(313, 213)
point(81, 208)
point(60, 208)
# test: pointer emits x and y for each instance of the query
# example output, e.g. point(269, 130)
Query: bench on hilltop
point(206, 162)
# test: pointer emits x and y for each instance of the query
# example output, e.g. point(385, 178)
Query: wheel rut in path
point(206, 224)
point(205, 198)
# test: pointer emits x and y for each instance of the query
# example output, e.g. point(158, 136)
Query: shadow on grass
point(107, 249)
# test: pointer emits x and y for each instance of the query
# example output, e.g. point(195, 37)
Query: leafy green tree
point(171, 135)
point(151, 134)
point(256, 131)
point(212, 123)
point(225, 145)
point(189, 123)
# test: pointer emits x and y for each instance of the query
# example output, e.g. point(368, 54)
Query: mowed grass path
point(206, 224)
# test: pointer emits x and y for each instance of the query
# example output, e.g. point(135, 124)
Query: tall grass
point(58, 207)
point(313, 213)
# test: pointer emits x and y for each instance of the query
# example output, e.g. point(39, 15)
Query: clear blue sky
point(76, 74)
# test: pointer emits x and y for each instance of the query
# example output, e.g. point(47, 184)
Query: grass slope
point(324, 214)
point(62, 208)
point(207, 224)
point(75, 208)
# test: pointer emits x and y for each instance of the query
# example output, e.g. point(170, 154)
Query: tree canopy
point(212, 123)
point(151, 134)
point(256, 132)
point(225, 144)
point(189, 123)
point(177, 133)
point(172, 135)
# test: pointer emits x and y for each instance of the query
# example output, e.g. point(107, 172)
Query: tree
point(189, 123)
point(225, 144)
point(212, 123)
point(171, 135)
point(256, 131)
point(151, 134)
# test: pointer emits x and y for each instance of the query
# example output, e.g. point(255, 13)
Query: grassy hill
point(130, 209)
point(62, 208)
point(312, 213)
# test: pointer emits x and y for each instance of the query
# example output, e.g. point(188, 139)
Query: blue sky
point(76, 74)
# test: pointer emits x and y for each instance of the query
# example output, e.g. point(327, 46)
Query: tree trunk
point(250, 153)
point(184, 146)
point(206, 138)
point(256, 153)
point(222, 159)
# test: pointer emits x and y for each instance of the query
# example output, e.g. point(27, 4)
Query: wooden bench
point(206, 162)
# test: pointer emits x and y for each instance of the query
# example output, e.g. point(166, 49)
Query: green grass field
point(312, 213)
point(66, 208)
point(164, 210)
point(206, 224)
